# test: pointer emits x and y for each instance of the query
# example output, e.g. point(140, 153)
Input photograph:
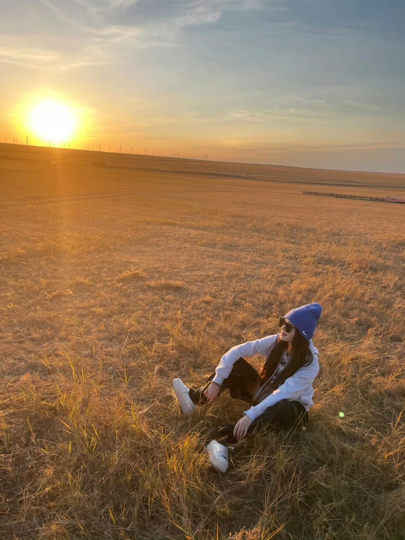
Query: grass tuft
point(130, 275)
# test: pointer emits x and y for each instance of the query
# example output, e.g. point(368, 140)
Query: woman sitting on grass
point(280, 394)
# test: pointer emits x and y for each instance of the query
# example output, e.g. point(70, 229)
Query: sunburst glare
point(53, 121)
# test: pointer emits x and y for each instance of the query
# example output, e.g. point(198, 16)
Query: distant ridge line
point(185, 167)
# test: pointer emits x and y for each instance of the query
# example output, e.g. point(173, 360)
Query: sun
point(53, 121)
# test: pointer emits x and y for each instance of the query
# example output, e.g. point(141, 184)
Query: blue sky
point(302, 82)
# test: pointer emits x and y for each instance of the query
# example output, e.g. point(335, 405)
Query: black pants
point(284, 414)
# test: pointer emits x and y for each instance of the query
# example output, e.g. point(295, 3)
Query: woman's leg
point(284, 414)
point(242, 375)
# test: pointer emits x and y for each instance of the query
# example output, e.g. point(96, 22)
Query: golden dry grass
point(114, 280)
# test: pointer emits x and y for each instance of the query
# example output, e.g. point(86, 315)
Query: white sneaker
point(183, 396)
point(218, 454)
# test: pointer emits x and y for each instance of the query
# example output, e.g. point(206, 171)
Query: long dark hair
point(301, 355)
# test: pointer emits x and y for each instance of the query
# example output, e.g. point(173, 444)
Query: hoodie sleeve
point(250, 348)
point(291, 389)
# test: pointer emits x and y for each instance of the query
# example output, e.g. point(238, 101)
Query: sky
point(313, 83)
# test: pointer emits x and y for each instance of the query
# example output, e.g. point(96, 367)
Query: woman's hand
point(242, 427)
point(212, 392)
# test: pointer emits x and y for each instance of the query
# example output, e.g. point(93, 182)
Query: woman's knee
point(284, 414)
point(241, 376)
point(243, 371)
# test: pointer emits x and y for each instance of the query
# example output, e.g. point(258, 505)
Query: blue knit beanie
point(305, 318)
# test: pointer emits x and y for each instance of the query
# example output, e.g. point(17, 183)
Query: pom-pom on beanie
point(305, 318)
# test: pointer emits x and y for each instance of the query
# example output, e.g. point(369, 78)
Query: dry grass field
point(115, 279)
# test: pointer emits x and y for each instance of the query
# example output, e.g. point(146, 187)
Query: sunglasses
point(287, 325)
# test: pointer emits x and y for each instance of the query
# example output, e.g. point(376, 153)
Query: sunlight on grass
point(107, 297)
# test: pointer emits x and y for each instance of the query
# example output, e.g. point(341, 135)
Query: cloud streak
point(32, 57)
point(105, 29)
point(36, 57)
point(305, 111)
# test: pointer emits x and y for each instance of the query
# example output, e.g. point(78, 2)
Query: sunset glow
point(306, 84)
point(53, 121)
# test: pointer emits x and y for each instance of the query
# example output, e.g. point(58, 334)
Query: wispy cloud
point(133, 20)
point(106, 28)
point(255, 115)
point(37, 57)
point(29, 57)
point(306, 110)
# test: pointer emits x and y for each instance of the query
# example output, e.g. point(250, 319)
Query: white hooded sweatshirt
point(298, 387)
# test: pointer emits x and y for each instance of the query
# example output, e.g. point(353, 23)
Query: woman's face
point(287, 336)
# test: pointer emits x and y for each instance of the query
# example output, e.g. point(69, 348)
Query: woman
point(280, 394)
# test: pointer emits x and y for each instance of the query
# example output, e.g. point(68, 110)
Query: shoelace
point(223, 452)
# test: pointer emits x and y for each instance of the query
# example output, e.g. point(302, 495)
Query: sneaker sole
point(211, 454)
point(187, 406)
